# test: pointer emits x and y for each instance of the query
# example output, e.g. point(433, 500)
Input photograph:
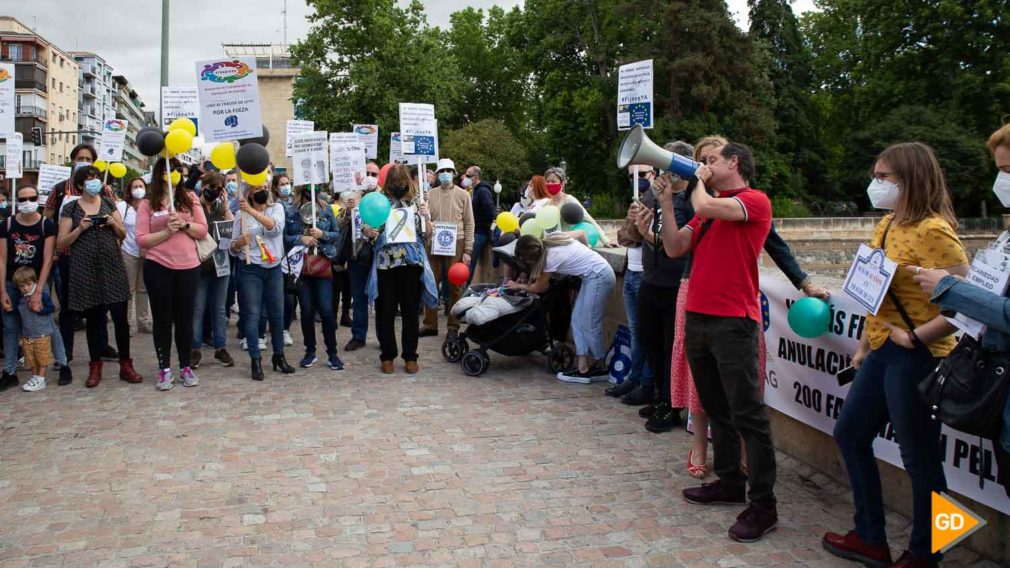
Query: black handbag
point(968, 389)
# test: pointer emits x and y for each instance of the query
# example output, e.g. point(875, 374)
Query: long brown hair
point(399, 176)
point(712, 140)
point(157, 190)
point(128, 191)
point(924, 191)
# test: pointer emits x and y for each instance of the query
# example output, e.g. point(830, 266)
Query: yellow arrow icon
point(952, 522)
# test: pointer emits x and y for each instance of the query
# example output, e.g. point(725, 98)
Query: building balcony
point(89, 70)
point(29, 165)
point(23, 58)
point(31, 111)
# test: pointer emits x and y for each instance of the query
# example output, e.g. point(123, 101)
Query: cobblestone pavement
point(354, 468)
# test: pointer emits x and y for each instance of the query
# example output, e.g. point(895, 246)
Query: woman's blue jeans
point(12, 333)
point(641, 373)
point(211, 294)
point(316, 294)
point(261, 287)
point(885, 390)
point(587, 315)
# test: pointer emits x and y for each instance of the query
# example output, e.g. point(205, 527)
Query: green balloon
point(810, 317)
point(531, 227)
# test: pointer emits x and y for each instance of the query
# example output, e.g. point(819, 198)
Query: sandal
point(696, 471)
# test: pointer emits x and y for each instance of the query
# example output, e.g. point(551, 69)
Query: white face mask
point(1002, 188)
point(138, 192)
point(526, 200)
point(28, 207)
point(371, 183)
point(467, 183)
point(883, 194)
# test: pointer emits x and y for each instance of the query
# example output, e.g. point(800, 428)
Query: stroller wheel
point(562, 358)
point(474, 363)
point(453, 350)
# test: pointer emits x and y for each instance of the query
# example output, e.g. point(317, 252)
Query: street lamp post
point(497, 194)
point(164, 48)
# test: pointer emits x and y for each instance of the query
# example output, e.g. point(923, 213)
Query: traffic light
point(37, 135)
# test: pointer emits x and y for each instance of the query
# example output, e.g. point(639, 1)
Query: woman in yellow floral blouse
point(897, 351)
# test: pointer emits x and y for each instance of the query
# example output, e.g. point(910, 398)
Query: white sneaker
point(36, 383)
point(244, 345)
point(188, 377)
point(263, 344)
point(288, 340)
point(165, 380)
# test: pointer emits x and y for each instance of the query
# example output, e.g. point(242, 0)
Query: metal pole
point(164, 49)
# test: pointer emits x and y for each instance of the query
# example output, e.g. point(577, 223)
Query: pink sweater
point(179, 251)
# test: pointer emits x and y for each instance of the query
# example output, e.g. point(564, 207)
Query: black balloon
point(252, 158)
point(526, 217)
point(505, 239)
point(572, 213)
point(262, 140)
point(150, 143)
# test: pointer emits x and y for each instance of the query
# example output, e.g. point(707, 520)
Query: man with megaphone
point(725, 238)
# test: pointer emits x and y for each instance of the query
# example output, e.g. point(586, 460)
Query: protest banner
point(50, 175)
point(7, 101)
point(634, 95)
point(800, 382)
point(229, 99)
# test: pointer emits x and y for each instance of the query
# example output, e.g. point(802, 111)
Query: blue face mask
point(232, 187)
point(644, 184)
point(93, 186)
point(445, 178)
point(79, 165)
point(199, 185)
point(3, 205)
point(285, 190)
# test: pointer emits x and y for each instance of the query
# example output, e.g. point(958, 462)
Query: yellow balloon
point(183, 124)
point(223, 156)
point(101, 165)
point(176, 177)
point(507, 222)
point(117, 170)
point(255, 179)
point(178, 141)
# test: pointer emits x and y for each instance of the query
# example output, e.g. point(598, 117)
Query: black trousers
point(171, 293)
point(657, 313)
point(98, 333)
point(67, 316)
point(723, 354)
point(341, 293)
point(398, 287)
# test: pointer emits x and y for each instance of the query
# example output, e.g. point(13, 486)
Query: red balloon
point(382, 174)
point(459, 273)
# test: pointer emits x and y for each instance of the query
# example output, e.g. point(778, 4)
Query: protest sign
point(7, 106)
point(418, 129)
point(347, 157)
point(180, 102)
point(294, 128)
point(869, 277)
point(396, 149)
point(634, 95)
point(12, 157)
point(369, 136)
point(113, 140)
point(229, 99)
point(50, 175)
point(308, 154)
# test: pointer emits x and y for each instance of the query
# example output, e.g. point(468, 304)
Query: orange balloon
point(382, 174)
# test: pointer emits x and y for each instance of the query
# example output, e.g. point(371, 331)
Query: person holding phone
point(899, 347)
point(91, 229)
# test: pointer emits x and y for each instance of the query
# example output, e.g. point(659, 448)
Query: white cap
point(446, 164)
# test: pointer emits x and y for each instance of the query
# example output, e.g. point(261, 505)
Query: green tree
point(361, 58)
point(492, 146)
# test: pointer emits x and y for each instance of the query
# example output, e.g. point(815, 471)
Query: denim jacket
point(415, 255)
point(984, 306)
point(325, 222)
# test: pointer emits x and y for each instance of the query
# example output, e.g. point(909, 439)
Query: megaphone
point(638, 149)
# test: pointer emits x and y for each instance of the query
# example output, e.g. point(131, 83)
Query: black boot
point(617, 391)
point(640, 396)
point(256, 363)
point(8, 380)
point(663, 419)
point(279, 363)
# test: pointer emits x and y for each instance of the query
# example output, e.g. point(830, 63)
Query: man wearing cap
point(448, 204)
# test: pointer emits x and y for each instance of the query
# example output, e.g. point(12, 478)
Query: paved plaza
point(354, 468)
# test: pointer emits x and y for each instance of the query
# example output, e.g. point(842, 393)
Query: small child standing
point(37, 328)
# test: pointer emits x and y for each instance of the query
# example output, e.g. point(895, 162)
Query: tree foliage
point(816, 98)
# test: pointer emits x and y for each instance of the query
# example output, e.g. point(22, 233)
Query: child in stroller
point(528, 322)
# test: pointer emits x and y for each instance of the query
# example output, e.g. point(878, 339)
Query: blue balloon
point(810, 317)
point(375, 208)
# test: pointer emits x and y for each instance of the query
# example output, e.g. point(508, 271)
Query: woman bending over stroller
point(566, 254)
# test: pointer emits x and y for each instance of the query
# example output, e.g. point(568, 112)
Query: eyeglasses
point(372, 174)
point(468, 175)
point(640, 175)
point(25, 199)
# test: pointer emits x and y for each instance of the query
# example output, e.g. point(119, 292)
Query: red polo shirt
point(724, 261)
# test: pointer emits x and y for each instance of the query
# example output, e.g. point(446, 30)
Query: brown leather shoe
point(410, 367)
point(851, 547)
point(387, 368)
point(128, 373)
point(94, 374)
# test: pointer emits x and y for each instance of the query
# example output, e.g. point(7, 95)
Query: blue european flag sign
point(424, 145)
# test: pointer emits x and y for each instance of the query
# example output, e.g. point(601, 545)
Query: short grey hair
point(558, 171)
point(476, 171)
point(681, 148)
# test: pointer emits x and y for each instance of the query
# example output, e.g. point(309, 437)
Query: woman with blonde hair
point(899, 347)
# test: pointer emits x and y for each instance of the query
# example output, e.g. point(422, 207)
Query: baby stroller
point(519, 333)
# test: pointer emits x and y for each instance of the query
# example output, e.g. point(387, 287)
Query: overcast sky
point(127, 33)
